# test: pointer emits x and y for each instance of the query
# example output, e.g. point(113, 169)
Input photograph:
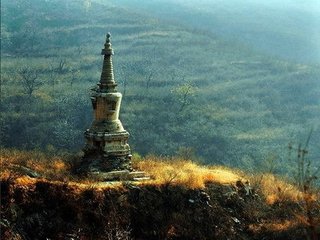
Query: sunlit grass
point(275, 189)
point(184, 172)
point(48, 166)
point(175, 171)
point(161, 170)
point(264, 133)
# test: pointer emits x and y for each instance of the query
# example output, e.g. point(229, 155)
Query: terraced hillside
point(186, 92)
point(286, 29)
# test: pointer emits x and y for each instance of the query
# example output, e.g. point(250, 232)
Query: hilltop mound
point(181, 201)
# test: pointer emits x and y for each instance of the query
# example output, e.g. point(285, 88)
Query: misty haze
point(226, 92)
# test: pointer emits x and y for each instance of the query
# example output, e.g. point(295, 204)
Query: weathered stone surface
point(24, 170)
point(107, 149)
point(123, 175)
point(104, 163)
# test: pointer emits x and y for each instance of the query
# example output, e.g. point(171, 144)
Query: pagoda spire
point(107, 82)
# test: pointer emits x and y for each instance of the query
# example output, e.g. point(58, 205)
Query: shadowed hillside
point(286, 29)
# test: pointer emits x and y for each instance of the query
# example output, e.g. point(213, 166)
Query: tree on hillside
point(149, 67)
point(61, 66)
point(123, 73)
point(75, 73)
point(184, 93)
point(30, 79)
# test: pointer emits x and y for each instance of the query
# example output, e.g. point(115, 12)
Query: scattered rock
point(25, 171)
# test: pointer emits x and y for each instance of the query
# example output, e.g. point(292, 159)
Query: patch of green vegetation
point(241, 105)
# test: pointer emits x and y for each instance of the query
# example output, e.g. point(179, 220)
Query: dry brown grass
point(184, 172)
point(162, 170)
point(276, 226)
point(275, 189)
point(48, 166)
point(289, 208)
point(175, 171)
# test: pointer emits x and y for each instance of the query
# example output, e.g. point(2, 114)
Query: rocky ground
point(41, 199)
point(40, 209)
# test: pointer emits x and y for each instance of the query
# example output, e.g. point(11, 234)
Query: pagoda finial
point(108, 37)
point(107, 82)
point(107, 45)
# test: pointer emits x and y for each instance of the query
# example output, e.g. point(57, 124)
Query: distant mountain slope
point(287, 29)
point(186, 91)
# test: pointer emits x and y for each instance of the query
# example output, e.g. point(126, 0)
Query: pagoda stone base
point(101, 163)
point(123, 175)
point(110, 168)
point(113, 168)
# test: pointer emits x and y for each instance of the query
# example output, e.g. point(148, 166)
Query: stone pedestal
point(123, 175)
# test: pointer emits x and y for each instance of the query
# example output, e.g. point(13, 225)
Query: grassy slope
point(244, 107)
point(182, 200)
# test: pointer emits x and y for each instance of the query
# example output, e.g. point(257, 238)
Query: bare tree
point(184, 94)
point(79, 50)
point(74, 75)
point(52, 78)
point(30, 80)
point(123, 73)
point(307, 175)
point(151, 71)
point(61, 66)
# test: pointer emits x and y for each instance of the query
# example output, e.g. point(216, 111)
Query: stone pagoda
point(107, 152)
